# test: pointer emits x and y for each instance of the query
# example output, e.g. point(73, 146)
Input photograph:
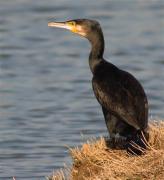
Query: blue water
point(46, 98)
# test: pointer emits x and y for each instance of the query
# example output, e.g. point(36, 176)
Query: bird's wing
point(124, 98)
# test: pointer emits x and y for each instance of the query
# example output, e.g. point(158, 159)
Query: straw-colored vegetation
point(95, 161)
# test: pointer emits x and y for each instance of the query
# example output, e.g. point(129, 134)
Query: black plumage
point(123, 100)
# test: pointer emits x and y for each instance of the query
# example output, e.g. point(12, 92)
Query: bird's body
point(123, 100)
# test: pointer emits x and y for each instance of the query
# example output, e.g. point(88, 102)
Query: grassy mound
point(94, 161)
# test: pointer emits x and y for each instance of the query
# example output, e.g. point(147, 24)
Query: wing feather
point(123, 96)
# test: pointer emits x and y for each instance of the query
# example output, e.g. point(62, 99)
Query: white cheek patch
point(80, 30)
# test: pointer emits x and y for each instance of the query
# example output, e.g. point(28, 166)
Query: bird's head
point(83, 27)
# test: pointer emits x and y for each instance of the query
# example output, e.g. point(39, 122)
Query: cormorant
point(123, 100)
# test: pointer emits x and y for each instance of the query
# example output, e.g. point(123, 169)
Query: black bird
point(123, 100)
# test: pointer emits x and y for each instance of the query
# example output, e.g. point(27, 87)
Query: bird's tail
point(138, 143)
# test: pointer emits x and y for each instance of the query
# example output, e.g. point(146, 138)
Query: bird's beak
point(64, 25)
point(70, 25)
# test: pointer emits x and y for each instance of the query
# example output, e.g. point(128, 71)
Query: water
point(46, 98)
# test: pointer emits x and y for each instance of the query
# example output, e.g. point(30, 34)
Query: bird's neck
point(97, 50)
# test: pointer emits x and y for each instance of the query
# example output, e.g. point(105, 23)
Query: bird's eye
point(72, 23)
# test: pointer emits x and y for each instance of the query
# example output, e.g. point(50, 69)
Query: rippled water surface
point(46, 98)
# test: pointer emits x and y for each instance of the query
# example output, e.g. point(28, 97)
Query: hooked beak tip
point(49, 24)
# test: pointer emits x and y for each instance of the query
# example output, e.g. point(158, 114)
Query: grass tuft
point(95, 161)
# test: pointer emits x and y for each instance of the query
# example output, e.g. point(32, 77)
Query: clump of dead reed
point(95, 161)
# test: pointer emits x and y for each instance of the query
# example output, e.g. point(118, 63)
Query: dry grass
point(94, 161)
